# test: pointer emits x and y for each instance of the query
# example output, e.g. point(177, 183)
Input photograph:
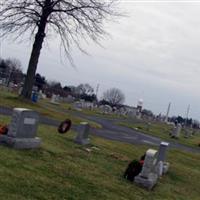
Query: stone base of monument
point(147, 183)
point(82, 141)
point(165, 167)
point(175, 137)
point(54, 103)
point(20, 143)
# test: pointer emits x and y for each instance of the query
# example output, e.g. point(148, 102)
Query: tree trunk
point(35, 54)
point(30, 76)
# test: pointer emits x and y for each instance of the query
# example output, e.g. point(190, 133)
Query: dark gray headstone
point(22, 130)
point(162, 151)
point(24, 123)
point(163, 166)
point(83, 133)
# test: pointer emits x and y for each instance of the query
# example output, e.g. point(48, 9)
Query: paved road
point(109, 129)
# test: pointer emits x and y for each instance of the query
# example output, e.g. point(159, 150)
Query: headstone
point(69, 99)
point(40, 95)
point(35, 88)
point(148, 125)
point(149, 163)
point(78, 106)
point(88, 105)
point(177, 130)
point(44, 96)
point(101, 108)
point(139, 115)
point(188, 132)
point(11, 85)
point(20, 90)
point(83, 132)
point(54, 99)
point(161, 159)
point(148, 176)
point(22, 130)
point(122, 111)
point(160, 168)
point(162, 151)
point(105, 109)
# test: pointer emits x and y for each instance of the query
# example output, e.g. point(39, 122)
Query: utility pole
point(167, 114)
point(187, 114)
point(97, 89)
point(188, 110)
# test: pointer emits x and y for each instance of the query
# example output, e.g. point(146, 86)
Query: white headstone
point(55, 99)
point(177, 130)
point(149, 174)
point(149, 163)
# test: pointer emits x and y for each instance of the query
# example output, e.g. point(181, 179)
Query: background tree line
point(11, 71)
point(70, 20)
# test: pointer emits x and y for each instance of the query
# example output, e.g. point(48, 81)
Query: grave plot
point(154, 167)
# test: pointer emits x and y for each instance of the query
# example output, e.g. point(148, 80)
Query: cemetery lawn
point(62, 170)
point(12, 100)
point(162, 131)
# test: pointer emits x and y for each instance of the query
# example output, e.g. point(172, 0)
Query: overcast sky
point(152, 54)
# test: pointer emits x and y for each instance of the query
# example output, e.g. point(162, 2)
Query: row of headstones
point(23, 130)
point(56, 99)
point(79, 105)
point(177, 131)
point(106, 109)
point(154, 167)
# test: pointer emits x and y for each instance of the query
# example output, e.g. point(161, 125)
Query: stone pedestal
point(159, 168)
point(20, 143)
point(83, 133)
point(22, 130)
point(145, 182)
point(166, 166)
point(162, 151)
point(162, 158)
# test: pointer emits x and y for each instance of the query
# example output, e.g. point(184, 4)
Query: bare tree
point(13, 63)
point(14, 71)
point(84, 89)
point(10, 69)
point(114, 96)
point(72, 20)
